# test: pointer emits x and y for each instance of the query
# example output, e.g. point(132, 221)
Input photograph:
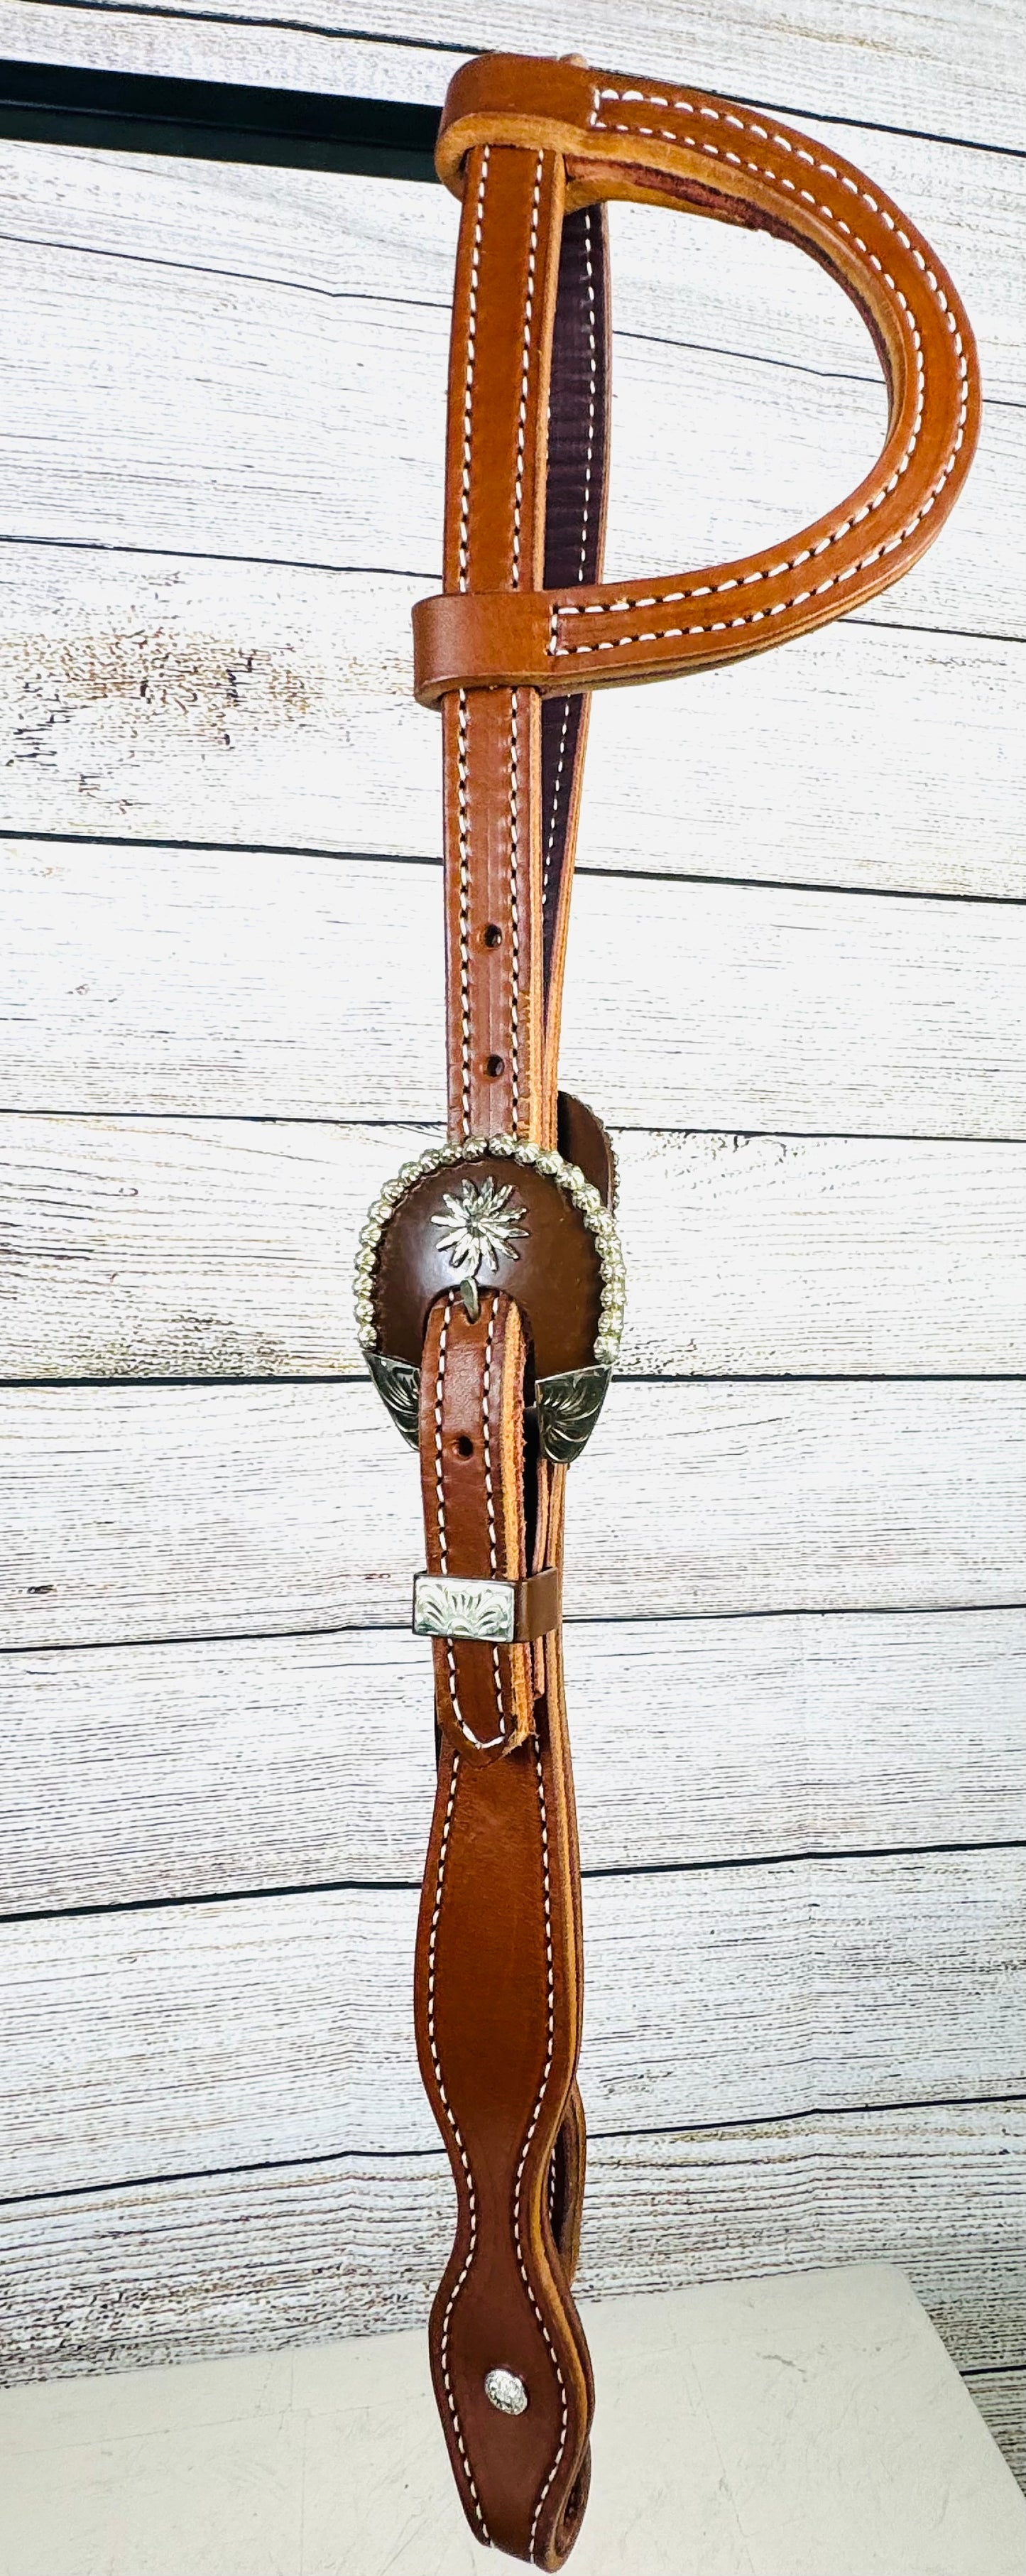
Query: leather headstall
point(489, 1277)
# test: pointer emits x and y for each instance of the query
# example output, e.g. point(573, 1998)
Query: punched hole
point(464, 1446)
point(494, 1065)
point(492, 935)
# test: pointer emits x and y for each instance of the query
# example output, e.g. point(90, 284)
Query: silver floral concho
point(482, 1224)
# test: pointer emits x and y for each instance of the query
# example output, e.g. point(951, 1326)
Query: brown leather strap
point(472, 1469)
point(524, 628)
point(498, 1989)
point(498, 1979)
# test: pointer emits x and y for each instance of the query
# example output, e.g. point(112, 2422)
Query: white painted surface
point(198, 2037)
point(283, 406)
point(920, 67)
point(179, 395)
point(176, 2270)
point(140, 1772)
point(141, 1513)
point(222, 1248)
point(673, 280)
point(289, 688)
point(270, 984)
point(813, 2427)
point(271, 706)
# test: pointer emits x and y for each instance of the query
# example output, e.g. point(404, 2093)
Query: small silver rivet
point(506, 2392)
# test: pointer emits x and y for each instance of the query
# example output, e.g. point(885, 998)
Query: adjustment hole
point(494, 1065)
point(492, 935)
point(464, 1446)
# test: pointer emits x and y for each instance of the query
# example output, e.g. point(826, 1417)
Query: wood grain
point(285, 986)
point(144, 1248)
point(221, 47)
point(262, 706)
point(1001, 2398)
point(254, 703)
point(164, 1511)
point(176, 2271)
point(698, 284)
point(199, 414)
point(176, 2039)
point(133, 1773)
point(922, 68)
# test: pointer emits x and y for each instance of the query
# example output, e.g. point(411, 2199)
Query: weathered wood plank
point(1001, 2398)
point(134, 1773)
point(139, 1248)
point(897, 68)
point(177, 2271)
point(259, 50)
point(180, 2038)
point(173, 986)
point(255, 706)
point(217, 429)
point(150, 1512)
point(700, 284)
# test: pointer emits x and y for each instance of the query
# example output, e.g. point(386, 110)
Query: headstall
point(490, 1284)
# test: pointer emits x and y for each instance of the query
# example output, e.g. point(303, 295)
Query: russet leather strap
point(489, 1280)
point(498, 1986)
point(472, 1469)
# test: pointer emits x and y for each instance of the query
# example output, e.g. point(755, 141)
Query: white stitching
point(514, 814)
point(763, 170)
point(462, 799)
point(585, 525)
point(525, 369)
point(514, 910)
point(482, 1744)
point(463, 817)
point(443, 2344)
point(493, 1559)
point(525, 2150)
point(468, 381)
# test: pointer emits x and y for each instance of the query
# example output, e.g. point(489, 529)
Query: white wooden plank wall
point(799, 1720)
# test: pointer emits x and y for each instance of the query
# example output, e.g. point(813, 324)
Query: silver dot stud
point(506, 2392)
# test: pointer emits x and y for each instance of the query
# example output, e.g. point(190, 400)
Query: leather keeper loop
point(495, 639)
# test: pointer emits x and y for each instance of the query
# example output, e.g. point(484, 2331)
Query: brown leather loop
point(653, 141)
